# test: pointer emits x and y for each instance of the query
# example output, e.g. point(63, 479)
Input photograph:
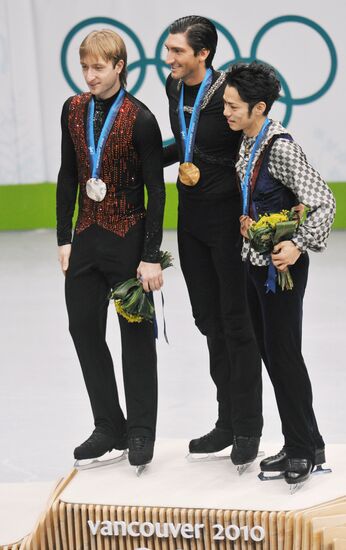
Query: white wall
point(33, 86)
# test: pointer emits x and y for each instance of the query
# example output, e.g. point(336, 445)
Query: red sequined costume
point(120, 170)
point(110, 240)
point(132, 158)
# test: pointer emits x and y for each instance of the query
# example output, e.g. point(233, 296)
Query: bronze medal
point(189, 174)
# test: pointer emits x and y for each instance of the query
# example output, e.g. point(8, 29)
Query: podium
point(178, 505)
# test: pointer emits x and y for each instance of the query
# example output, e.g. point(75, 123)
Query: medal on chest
point(96, 189)
point(189, 173)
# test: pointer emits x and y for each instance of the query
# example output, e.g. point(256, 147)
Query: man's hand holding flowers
point(245, 223)
point(150, 276)
point(284, 254)
point(271, 234)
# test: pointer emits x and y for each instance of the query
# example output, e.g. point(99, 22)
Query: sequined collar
point(104, 104)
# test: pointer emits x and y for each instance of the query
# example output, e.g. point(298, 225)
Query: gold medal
point(189, 174)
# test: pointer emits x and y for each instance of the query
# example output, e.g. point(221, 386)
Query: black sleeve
point(170, 154)
point(148, 144)
point(67, 182)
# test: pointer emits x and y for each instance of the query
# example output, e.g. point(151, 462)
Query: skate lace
point(208, 436)
point(280, 453)
point(96, 437)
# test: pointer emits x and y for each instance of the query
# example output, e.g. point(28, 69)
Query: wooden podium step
point(176, 505)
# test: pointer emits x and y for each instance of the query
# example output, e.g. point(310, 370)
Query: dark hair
point(200, 33)
point(255, 82)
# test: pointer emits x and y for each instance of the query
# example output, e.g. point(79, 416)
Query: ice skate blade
point(91, 463)
point(140, 469)
point(205, 457)
point(295, 487)
point(318, 470)
point(241, 468)
point(264, 477)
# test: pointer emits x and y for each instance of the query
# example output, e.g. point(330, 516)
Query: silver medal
point(96, 189)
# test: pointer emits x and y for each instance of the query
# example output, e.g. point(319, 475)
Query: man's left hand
point(150, 276)
point(284, 254)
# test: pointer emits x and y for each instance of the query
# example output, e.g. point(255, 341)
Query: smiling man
point(111, 148)
point(208, 236)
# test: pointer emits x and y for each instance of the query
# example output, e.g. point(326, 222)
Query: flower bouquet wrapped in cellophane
point(130, 299)
point(270, 229)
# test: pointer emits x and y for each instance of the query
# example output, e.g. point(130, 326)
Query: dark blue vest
point(269, 195)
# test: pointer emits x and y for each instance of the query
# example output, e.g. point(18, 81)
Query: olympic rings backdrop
point(39, 66)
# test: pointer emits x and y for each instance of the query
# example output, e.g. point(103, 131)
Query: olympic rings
point(143, 62)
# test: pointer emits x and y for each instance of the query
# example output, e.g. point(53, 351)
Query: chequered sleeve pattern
point(288, 164)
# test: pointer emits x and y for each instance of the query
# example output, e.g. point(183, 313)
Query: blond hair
point(109, 46)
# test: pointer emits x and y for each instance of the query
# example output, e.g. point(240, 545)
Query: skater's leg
point(120, 261)
point(282, 318)
point(140, 376)
point(202, 285)
point(245, 383)
point(87, 303)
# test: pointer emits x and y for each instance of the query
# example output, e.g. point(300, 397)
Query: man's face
point(100, 75)
point(236, 110)
point(182, 59)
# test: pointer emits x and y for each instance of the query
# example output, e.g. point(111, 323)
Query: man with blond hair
point(111, 149)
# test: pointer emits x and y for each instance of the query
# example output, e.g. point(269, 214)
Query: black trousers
point(209, 249)
point(99, 260)
point(277, 320)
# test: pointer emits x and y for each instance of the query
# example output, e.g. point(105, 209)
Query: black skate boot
point(278, 464)
point(320, 458)
point(141, 450)
point(213, 442)
point(297, 472)
point(244, 451)
point(95, 446)
point(275, 463)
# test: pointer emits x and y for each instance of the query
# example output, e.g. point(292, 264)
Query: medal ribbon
point(245, 184)
point(270, 283)
point(96, 155)
point(188, 136)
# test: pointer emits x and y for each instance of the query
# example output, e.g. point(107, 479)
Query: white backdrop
point(34, 85)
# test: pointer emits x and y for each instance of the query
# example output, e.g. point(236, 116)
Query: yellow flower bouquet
point(130, 299)
point(269, 230)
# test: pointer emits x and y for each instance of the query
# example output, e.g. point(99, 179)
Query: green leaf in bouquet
point(120, 290)
point(284, 231)
point(285, 280)
point(130, 302)
point(304, 215)
point(261, 239)
point(145, 307)
point(165, 259)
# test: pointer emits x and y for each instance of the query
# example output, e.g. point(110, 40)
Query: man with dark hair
point(208, 236)
point(111, 148)
point(276, 176)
